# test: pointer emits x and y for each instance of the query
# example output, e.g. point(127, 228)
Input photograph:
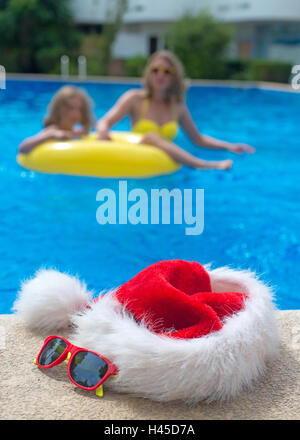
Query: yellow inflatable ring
point(123, 156)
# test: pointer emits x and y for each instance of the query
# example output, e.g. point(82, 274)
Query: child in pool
point(68, 107)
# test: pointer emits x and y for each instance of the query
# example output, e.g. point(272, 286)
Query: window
point(244, 5)
point(224, 8)
point(245, 50)
point(139, 8)
point(153, 43)
point(90, 28)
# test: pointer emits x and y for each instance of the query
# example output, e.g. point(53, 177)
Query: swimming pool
point(251, 218)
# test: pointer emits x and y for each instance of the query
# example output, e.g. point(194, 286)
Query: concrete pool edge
point(136, 80)
point(29, 394)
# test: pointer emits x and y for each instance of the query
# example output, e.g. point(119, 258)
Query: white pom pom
point(50, 298)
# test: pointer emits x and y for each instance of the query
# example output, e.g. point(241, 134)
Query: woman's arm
point(121, 108)
point(45, 135)
point(202, 140)
point(181, 156)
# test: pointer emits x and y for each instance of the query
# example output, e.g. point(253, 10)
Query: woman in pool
point(68, 107)
point(158, 110)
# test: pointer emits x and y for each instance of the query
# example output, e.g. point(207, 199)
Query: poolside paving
point(27, 393)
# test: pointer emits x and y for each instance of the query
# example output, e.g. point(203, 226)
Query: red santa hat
point(176, 331)
point(175, 298)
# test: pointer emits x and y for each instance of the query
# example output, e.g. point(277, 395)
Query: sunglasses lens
point(163, 70)
point(52, 350)
point(87, 369)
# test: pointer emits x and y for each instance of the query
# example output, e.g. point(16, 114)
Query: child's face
point(71, 112)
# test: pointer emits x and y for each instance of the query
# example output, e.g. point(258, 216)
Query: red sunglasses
point(86, 369)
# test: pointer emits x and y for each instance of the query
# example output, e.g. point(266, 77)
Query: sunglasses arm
point(99, 391)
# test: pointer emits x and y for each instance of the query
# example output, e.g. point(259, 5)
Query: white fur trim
point(47, 301)
point(215, 367)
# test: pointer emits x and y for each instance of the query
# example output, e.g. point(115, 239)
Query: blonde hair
point(179, 85)
point(59, 100)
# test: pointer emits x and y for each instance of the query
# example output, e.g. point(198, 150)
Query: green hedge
point(135, 66)
point(269, 70)
point(230, 69)
point(92, 46)
point(258, 70)
point(10, 60)
point(237, 69)
point(210, 69)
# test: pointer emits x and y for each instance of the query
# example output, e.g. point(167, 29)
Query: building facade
point(267, 29)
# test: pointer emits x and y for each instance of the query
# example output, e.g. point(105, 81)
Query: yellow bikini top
point(144, 125)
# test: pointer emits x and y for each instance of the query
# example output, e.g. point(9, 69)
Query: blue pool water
point(251, 212)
